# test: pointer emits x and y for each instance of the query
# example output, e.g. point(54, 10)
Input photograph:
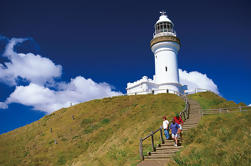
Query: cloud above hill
point(3, 105)
point(197, 80)
point(43, 92)
point(30, 67)
point(48, 100)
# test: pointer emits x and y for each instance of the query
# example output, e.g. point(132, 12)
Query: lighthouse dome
point(164, 18)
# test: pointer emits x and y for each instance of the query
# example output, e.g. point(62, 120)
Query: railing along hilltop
point(224, 110)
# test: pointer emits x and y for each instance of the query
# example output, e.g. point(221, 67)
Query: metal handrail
point(222, 110)
point(185, 113)
point(227, 108)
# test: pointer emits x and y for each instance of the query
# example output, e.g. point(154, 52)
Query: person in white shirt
point(165, 127)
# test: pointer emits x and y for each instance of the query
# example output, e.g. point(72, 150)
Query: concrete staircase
point(163, 153)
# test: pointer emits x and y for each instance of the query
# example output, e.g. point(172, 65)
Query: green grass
point(218, 140)
point(222, 139)
point(102, 132)
point(209, 100)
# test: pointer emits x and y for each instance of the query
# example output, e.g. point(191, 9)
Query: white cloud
point(249, 105)
point(196, 79)
point(45, 99)
point(39, 71)
point(30, 67)
point(3, 105)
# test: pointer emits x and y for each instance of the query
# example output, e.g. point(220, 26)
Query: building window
point(166, 68)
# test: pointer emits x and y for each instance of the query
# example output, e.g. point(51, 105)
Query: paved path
point(162, 154)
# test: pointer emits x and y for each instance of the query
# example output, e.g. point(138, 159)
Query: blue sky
point(108, 41)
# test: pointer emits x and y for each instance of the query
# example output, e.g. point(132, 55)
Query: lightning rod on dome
point(162, 12)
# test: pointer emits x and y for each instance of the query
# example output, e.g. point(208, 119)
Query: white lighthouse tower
point(165, 46)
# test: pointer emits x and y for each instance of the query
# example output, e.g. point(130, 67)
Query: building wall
point(142, 86)
point(166, 66)
point(147, 86)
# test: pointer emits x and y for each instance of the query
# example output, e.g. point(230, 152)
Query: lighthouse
point(165, 47)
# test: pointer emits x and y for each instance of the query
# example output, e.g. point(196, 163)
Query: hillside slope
point(98, 132)
point(223, 139)
point(209, 100)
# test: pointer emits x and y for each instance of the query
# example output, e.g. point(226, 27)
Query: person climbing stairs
point(165, 151)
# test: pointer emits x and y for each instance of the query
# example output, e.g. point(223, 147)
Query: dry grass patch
point(98, 132)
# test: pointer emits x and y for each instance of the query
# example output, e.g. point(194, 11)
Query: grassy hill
point(98, 132)
point(223, 139)
point(209, 100)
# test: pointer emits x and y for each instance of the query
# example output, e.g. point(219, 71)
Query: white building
point(165, 46)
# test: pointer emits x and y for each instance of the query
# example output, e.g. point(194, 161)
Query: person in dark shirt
point(174, 127)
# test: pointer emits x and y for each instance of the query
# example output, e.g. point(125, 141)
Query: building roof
point(163, 18)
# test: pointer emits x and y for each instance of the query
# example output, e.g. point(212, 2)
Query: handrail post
point(161, 136)
point(153, 142)
point(141, 149)
point(188, 110)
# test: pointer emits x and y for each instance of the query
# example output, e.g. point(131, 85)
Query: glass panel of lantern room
point(168, 27)
point(171, 27)
point(158, 26)
point(165, 27)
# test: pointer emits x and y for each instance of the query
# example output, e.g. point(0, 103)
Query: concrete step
point(159, 156)
point(154, 162)
point(190, 123)
point(169, 147)
point(169, 143)
point(166, 151)
point(170, 140)
point(195, 122)
point(189, 126)
point(186, 128)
